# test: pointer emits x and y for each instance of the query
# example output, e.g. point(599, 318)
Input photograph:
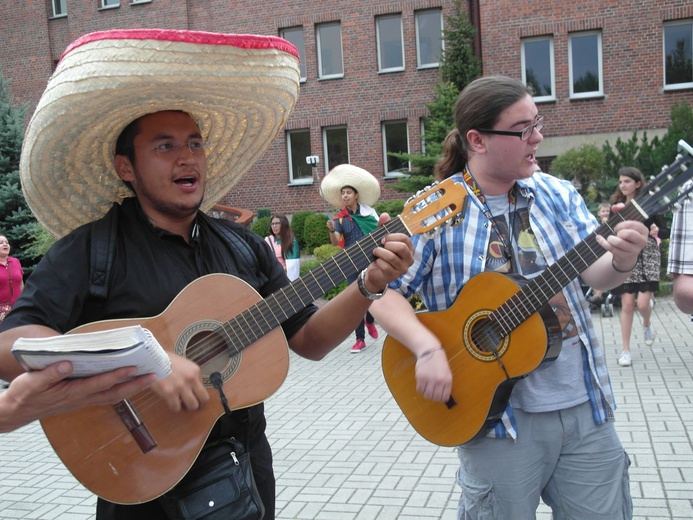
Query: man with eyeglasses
point(179, 140)
point(550, 436)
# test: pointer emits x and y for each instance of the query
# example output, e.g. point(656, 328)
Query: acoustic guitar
point(137, 450)
point(500, 327)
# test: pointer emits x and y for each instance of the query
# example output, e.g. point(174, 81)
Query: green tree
point(583, 166)
point(681, 127)
point(459, 66)
point(16, 220)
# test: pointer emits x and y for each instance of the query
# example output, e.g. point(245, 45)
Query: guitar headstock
point(663, 191)
point(433, 206)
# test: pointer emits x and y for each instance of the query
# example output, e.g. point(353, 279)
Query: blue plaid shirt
point(349, 228)
point(446, 260)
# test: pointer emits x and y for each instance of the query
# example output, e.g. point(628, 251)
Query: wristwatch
point(361, 282)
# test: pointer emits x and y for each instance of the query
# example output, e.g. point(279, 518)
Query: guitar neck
point(258, 320)
point(538, 291)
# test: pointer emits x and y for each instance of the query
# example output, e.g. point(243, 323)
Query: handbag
point(6, 307)
point(219, 486)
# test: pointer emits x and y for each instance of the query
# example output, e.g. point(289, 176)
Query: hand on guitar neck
point(612, 270)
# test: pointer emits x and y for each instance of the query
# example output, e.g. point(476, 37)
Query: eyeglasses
point(276, 224)
point(522, 134)
point(173, 149)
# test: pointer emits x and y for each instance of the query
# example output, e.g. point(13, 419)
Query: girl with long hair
point(638, 290)
point(284, 244)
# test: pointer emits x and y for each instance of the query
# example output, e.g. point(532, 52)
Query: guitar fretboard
point(263, 317)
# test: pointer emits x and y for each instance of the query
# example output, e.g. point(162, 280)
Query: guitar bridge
point(135, 426)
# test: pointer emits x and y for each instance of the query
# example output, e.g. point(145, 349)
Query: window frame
point(318, 42)
point(594, 93)
point(301, 161)
point(390, 174)
point(297, 29)
point(551, 64)
point(674, 86)
point(63, 5)
point(326, 148)
point(417, 14)
point(378, 19)
point(104, 5)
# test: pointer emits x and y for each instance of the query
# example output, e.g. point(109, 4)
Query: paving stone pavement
point(344, 451)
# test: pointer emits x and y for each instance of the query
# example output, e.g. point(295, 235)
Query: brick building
point(600, 64)
point(368, 69)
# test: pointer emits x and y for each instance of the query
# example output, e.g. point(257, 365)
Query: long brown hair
point(478, 106)
point(632, 173)
point(286, 234)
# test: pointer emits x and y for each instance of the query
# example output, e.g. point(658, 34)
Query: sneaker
point(648, 334)
point(358, 346)
point(625, 360)
point(372, 330)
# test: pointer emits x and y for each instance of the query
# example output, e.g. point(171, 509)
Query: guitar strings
point(514, 311)
point(256, 321)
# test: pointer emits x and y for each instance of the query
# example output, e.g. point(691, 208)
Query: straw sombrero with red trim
point(240, 89)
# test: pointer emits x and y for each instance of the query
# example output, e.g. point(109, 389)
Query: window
point(59, 7)
point(537, 67)
point(390, 46)
point(329, 39)
point(336, 146)
point(298, 146)
point(294, 35)
point(678, 55)
point(429, 37)
point(585, 61)
point(110, 3)
point(395, 139)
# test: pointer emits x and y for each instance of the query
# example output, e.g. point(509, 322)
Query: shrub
point(315, 231)
point(298, 221)
point(263, 212)
point(261, 226)
point(312, 264)
point(391, 207)
point(326, 252)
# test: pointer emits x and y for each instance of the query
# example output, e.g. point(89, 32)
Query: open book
point(94, 353)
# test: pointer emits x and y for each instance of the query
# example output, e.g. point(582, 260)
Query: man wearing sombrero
point(174, 118)
point(354, 190)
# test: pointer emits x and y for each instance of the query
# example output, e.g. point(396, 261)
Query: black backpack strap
point(103, 240)
point(239, 245)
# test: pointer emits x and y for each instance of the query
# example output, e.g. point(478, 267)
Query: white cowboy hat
point(343, 175)
point(240, 90)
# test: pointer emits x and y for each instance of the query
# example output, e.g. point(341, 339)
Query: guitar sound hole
point(209, 349)
point(483, 340)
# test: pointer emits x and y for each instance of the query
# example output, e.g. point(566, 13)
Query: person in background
point(638, 290)
point(680, 264)
point(555, 440)
point(159, 153)
point(11, 278)
point(284, 244)
point(354, 190)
